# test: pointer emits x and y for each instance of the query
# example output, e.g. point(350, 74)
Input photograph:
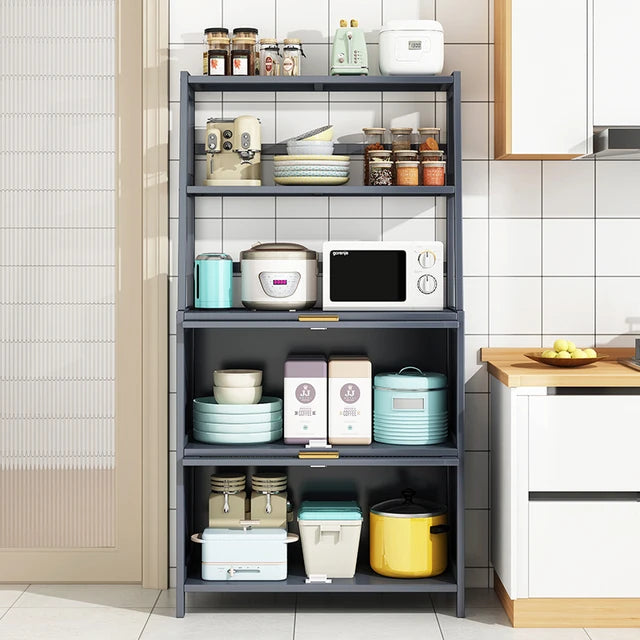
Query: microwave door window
point(368, 276)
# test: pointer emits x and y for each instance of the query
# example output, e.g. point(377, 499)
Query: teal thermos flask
point(212, 278)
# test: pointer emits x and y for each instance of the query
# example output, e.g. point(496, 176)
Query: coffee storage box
point(350, 400)
point(305, 400)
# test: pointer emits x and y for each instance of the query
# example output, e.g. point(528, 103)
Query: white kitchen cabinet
point(542, 101)
point(616, 52)
point(584, 549)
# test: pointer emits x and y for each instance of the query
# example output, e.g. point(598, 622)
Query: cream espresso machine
point(349, 52)
point(233, 148)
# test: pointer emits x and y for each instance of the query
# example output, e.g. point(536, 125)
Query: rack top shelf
point(321, 83)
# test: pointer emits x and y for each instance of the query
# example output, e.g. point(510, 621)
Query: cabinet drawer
point(584, 549)
point(584, 443)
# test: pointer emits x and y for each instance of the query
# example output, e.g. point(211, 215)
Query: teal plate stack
point(215, 423)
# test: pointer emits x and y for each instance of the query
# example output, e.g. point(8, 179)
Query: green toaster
point(349, 53)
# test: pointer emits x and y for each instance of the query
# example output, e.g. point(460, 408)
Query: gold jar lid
point(269, 41)
point(374, 131)
point(428, 131)
point(292, 40)
point(401, 131)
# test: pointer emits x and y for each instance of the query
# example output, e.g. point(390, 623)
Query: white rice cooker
point(279, 275)
point(411, 47)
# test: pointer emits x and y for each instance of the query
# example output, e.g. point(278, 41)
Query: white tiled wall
point(550, 247)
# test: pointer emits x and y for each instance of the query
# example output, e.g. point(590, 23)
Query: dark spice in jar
point(241, 63)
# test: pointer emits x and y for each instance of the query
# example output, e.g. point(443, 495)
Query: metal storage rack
point(207, 339)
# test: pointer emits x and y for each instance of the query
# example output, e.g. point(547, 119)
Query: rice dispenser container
point(410, 394)
point(410, 47)
point(212, 278)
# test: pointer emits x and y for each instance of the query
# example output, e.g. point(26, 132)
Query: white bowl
point(310, 147)
point(237, 395)
point(237, 378)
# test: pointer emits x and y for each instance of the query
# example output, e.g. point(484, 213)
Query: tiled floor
point(127, 612)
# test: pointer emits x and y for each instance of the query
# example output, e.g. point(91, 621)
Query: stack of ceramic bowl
point(310, 160)
point(237, 386)
point(410, 407)
point(216, 423)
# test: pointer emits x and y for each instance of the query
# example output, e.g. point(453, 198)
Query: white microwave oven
point(386, 275)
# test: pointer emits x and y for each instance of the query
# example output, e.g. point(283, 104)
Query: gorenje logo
point(339, 253)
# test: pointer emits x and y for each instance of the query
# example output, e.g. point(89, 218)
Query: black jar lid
point(245, 29)
point(216, 30)
point(218, 52)
point(240, 53)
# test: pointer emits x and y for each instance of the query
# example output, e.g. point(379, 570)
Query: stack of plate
point(237, 423)
point(269, 482)
point(311, 169)
point(391, 429)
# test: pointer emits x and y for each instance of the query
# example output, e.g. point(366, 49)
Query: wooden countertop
point(514, 370)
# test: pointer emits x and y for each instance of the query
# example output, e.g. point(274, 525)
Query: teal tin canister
point(410, 393)
point(213, 277)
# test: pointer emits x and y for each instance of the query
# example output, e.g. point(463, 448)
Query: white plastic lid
point(411, 25)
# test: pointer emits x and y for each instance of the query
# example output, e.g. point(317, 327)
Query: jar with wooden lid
point(433, 174)
point(380, 173)
point(373, 141)
point(245, 39)
point(401, 138)
point(214, 38)
point(407, 173)
point(268, 59)
point(429, 138)
point(432, 156)
point(292, 54)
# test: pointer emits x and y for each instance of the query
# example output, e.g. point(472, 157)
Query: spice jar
point(268, 60)
point(240, 63)
point(214, 38)
point(433, 174)
point(401, 138)
point(407, 173)
point(292, 54)
point(431, 156)
point(380, 173)
point(429, 138)
point(218, 64)
point(405, 154)
point(245, 39)
point(373, 141)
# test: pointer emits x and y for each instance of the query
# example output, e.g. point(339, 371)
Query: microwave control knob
point(427, 284)
point(426, 259)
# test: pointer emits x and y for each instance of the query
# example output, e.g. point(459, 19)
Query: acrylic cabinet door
point(542, 85)
point(616, 52)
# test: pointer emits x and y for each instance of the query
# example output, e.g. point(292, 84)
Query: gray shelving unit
point(209, 339)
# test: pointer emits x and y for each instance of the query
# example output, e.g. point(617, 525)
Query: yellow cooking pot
point(408, 538)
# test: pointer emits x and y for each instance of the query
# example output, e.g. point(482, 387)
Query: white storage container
point(244, 554)
point(350, 400)
point(305, 400)
point(330, 535)
point(410, 47)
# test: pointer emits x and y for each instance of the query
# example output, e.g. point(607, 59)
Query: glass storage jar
point(433, 174)
point(246, 39)
point(429, 138)
point(380, 173)
point(241, 63)
point(407, 173)
point(432, 156)
point(292, 54)
point(373, 141)
point(218, 62)
point(268, 59)
point(401, 138)
point(214, 38)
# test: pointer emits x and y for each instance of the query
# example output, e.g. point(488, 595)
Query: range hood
point(616, 142)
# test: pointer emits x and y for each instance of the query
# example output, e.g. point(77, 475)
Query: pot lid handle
point(420, 371)
point(408, 494)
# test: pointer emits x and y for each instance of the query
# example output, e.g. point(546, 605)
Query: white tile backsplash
point(308, 21)
point(464, 21)
point(567, 306)
point(260, 14)
point(515, 305)
point(557, 235)
point(618, 247)
point(529, 225)
point(514, 186)
point(617, 189)
point(514, 247)
point(568, 189)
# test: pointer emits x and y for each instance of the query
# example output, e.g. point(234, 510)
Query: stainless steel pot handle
point(420, 371)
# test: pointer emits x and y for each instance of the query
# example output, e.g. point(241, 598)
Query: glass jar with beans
point(373, 142)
